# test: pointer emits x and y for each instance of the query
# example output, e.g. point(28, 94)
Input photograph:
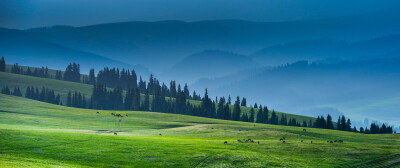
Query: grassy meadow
point(37, 134)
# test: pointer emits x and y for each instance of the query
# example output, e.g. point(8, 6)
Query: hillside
point(38, 134)
point(63, 87)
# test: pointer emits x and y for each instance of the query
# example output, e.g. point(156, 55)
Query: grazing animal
point(98, 113)
point(311, 142)
point(340, 141)
point(327, 141)
point(115, 133)
point(331, 142)
point(212, 128)
point(126, 115)
point(301, 140)
point(160, 134)
point(284, 138)
point(304, 130)
point(225, 142)
point(283, 141)
point(112, 114)
point(258, 142)
point(335, 140)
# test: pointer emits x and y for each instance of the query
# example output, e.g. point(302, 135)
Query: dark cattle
point(283, 141)
point(304, 130)
point(301, 140)
point(115, 133)
point(225, 142)
point(340, 141)
point(160, 134)
point(331, 142)
point(258, 142)
point(98, 113)
point(126, 115)
point(112, 114)
point(212, 128)
point(311, 142)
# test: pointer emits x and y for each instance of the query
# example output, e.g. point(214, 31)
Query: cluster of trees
point(44, 95)
point(320, 122)
point(37, 72)
point(375, 129)
point(72, 73)
point(76, 99)
point(2, 65)
point(7, 91)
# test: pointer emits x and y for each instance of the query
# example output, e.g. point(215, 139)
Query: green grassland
point(63, 87)
point(37, 134)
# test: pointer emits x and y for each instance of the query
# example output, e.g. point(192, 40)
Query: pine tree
point(244, 103)
point(252, 114)
point(92, 78)
point(236, 110)
point(329, 123)
point(69, 99)
point(260, 117)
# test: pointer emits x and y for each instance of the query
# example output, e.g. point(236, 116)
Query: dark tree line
point(7, 91)
point(44, 95)
point(76, 99)
point(375, 129)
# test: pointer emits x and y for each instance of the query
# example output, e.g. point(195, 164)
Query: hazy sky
point(34, 13)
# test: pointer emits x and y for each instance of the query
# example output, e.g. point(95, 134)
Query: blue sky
point(23, 14)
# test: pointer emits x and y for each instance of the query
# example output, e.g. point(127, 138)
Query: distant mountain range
point(328, 49)
point(210, 63)
point(23, 48)
point(161, 45)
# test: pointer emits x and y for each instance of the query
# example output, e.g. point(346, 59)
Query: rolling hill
point(36, 134)
point(63, 87)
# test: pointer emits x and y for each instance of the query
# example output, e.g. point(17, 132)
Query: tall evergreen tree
point(252, 114)
point(329, 123)
point(236, 110)
point(244, 103)
point(92, 77)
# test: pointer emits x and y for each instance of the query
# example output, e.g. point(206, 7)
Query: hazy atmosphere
point(302, 58)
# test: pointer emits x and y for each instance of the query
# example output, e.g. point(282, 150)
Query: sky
point(23, 14)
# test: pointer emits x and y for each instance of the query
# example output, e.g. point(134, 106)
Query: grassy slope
point(62, 87)
point(33, 134)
